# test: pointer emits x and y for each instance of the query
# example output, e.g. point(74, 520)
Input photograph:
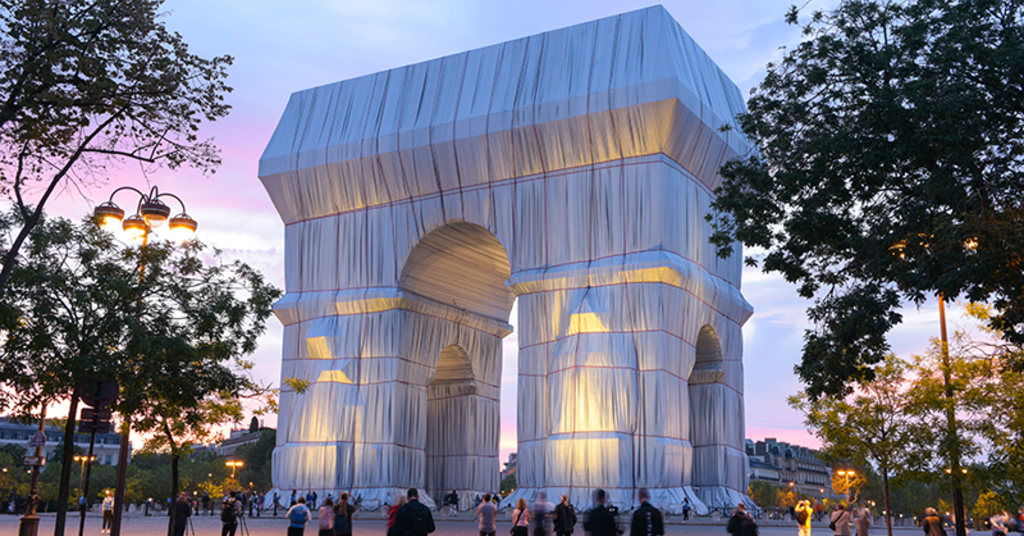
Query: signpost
point(29, 523)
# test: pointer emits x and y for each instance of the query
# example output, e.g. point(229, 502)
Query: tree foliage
point(85, 85)
point(170, 327)
point(986, 403)
point(891, 169)
point(879, 425)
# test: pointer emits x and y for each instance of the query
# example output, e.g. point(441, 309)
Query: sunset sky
point(281, 47)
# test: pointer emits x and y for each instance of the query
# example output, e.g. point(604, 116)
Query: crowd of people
point(407, 516)
point(410, 517)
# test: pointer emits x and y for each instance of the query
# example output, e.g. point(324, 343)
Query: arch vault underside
point(571, 170)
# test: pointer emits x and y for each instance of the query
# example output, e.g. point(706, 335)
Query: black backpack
point(801, 517)
point(228, 515)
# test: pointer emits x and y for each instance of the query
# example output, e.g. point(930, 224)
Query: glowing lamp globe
point(135, 227)
point(109, 215)
point(155, 212)
point(183, 227)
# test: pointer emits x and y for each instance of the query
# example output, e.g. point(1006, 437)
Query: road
point(371, 524)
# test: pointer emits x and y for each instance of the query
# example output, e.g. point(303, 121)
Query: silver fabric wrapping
point(571, 169)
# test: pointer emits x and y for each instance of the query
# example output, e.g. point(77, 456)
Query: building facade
point(786, 464)
point(105, 448)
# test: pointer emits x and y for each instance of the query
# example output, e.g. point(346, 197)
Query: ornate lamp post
point(150, 213)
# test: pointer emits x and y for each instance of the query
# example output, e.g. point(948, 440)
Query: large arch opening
point(457, 275)
point(451, 407)
point(707, 412)
point(464, 266)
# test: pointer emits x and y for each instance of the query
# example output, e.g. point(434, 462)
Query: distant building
point(510, 466)
point(105, 448)
point(785, 464)
point(235, 440)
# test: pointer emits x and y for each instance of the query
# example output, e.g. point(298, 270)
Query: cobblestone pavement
point(371, 524)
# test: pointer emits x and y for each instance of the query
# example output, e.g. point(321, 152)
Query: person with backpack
point(686, 508)
point(741, 523)
point(343, 516)
point(229, 515)
point(565, 517)
point(803, 518)
point(647, 520)
point(297, 516)
point(840, 521)
point(326, 518)
point(413, 518)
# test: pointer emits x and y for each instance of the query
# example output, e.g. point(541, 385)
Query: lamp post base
point(29, 525)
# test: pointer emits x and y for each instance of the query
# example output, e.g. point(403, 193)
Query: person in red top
point(393, 514)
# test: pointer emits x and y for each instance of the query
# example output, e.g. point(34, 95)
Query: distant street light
point(233, 464)
point(847, 474)
point(81, 474)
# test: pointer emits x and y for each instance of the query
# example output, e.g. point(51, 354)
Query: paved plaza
point(372, 524)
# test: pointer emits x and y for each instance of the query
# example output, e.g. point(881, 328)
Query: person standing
point(932, 523)
point(393, 514)
point(229, 510)
point(840, 521)
point(565, 517)
point(999, 523)
point(487, 513)
point(686, 508)
point(413, 518)
point(521, 519)
point(741, 523)
point(540, 515)
point(862, 522)
point(293, 500)
point(647, 520)
point(601, 521)
point(804, 512)
point(108, 511)
point(343, 516)
point(182, 511)
point(325, 519)
point(297, 516)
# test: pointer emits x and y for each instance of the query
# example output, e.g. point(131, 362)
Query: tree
point(173, 336)
point(258, 458)
point(877, 425)
point(982, 398)
point(890, 169)
point(86, 85)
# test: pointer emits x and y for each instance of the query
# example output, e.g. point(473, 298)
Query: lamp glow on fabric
point(150, 213)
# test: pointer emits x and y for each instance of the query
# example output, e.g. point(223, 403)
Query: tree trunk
point(65, 469)
point(885, 495)
point(174, 491)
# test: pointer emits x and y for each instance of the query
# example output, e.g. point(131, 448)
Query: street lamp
point(233, 464)
point(847, 474)
point(150, 213)
point(81, 474)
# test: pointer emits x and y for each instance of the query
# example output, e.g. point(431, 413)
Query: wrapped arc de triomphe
point(571, 170)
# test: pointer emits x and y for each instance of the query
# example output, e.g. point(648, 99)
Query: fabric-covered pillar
point(603, 384)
